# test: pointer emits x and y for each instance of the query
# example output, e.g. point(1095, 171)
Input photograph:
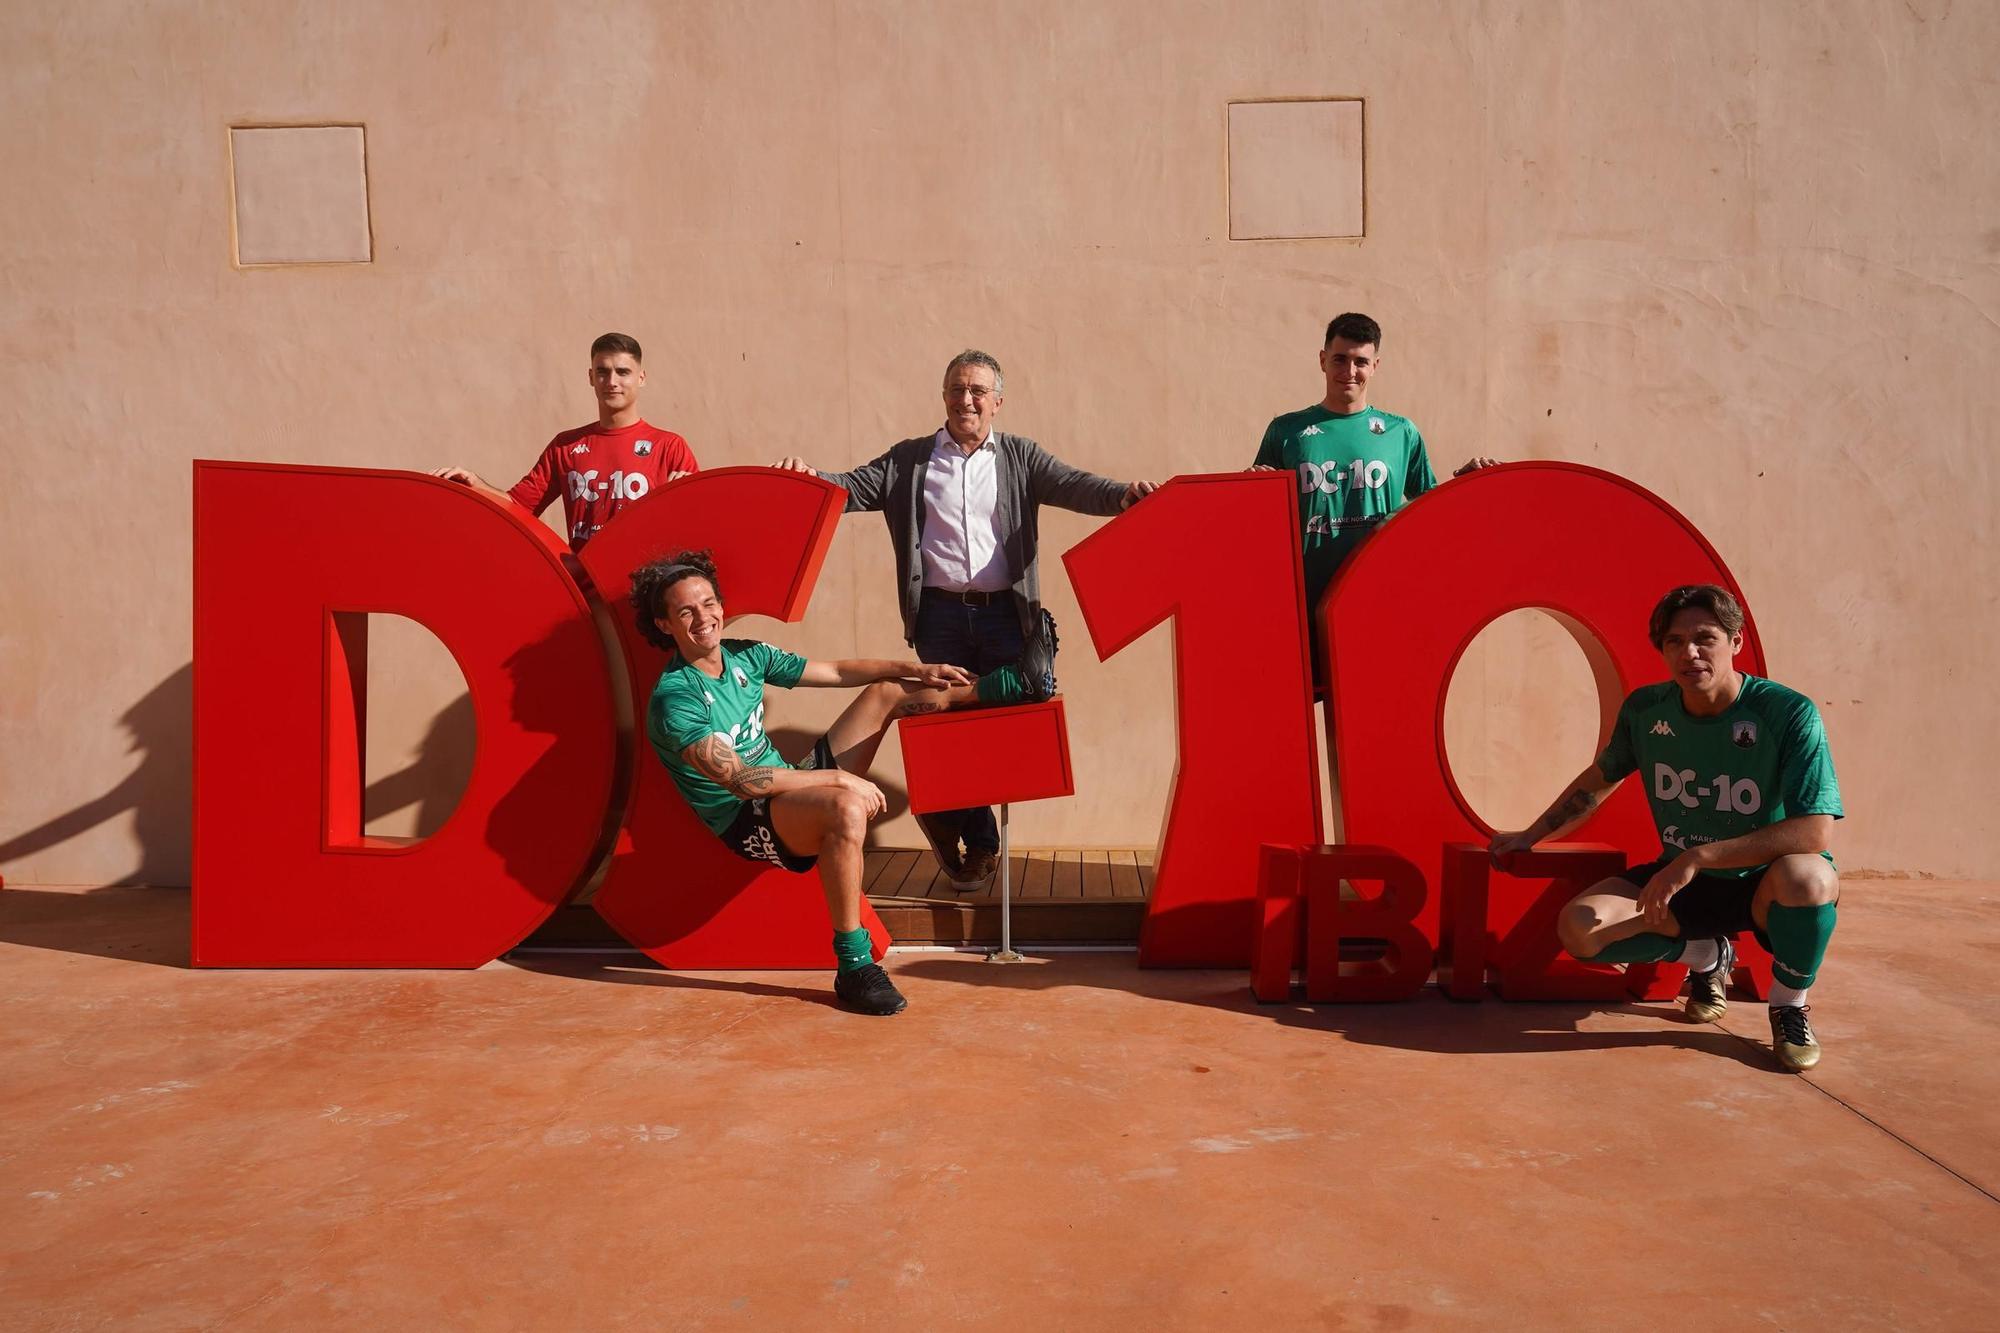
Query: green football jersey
point(1353, 472)
point(688, 706)
point(1714, 778)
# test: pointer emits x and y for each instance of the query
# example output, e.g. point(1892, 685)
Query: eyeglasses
point(980, 393)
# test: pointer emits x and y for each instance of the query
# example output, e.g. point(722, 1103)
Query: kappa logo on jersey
point(642, 448)
point(1377, 426)
point(580, 447)
point(1310, 430)
point(1661, 728)
point(1744, 734)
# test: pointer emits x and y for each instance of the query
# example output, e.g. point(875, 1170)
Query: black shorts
point(750, 834)
point(1710, 905)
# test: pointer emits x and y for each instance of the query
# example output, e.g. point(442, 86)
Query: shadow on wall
point(435, 779)
point(158, 790)
point(161, 727)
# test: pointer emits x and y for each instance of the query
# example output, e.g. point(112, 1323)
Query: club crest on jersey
point(1661, 728)
point(1377, 426)
point(742, 680)
point(642, 448)
point(708, 698)
point(1744, 734)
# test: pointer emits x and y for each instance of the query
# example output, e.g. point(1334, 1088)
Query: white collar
point(943, 440)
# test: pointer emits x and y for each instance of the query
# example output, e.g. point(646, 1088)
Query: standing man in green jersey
point(1743, 793)
point(706, 722)
point(1356, 465)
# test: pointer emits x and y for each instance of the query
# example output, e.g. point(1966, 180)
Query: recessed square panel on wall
point(1295, 169)
point(301, 194)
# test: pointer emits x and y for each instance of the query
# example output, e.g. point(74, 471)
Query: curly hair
point(1701, 597)
point(649, 590)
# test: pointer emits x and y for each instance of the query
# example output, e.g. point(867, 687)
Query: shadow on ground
point(1429, 1023)
point(129, 924)
point(629, 970)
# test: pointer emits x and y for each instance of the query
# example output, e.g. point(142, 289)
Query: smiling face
point(616, 379)
point(692, 613)
point(1701, 654)
point(1348, 365)
point(971, 401)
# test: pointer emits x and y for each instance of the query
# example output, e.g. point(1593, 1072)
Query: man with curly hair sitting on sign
point(706, 722)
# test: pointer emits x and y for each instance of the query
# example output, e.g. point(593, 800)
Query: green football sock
point(1799, 937)
point(1002, 685)
point(853, 948)
point(1647, 948)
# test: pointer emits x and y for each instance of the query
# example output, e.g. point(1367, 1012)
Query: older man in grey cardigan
point(961, 508)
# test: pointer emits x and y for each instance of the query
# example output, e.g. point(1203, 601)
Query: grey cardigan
point(1028, 476)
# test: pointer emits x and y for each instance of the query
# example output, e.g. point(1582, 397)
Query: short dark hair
point(610, 344)
point(1356, 328)
point(1700, 597)
point(649, 589)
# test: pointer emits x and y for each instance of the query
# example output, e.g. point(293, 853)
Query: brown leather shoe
point(944, 846)
point(980, 866)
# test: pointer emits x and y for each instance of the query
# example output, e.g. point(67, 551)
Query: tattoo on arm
point(718, 760)
point(1574, 806)
point(917, 704)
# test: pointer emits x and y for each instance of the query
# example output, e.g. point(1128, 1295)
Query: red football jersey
point(597, 472)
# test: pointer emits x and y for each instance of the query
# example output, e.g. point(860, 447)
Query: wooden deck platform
point(1062, 895)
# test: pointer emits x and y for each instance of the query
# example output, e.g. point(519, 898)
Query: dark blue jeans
point(978, 638)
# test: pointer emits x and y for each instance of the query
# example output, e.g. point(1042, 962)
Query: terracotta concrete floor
point(1071, 1143)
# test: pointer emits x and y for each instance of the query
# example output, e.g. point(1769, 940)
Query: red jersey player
point(597, 469)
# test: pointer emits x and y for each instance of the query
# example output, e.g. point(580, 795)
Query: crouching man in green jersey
point(706, 722)
point(1743, 793)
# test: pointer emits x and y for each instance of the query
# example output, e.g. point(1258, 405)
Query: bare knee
point(884, 694)
point(1577, 927)
point(848, 821)
point(1804, 879)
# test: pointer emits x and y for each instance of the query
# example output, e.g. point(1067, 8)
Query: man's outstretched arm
point(845, 673)
point(1586, 791)
point(867, 486)
point(467, 477)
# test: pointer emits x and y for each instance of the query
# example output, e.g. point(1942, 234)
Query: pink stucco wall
point(1748, 255)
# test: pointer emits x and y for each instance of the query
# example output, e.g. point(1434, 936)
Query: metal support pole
point(1005, 953)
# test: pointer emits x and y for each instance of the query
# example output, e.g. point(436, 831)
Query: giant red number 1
point(1220, 556)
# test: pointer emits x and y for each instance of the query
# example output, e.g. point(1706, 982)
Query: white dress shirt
point(961, 541)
